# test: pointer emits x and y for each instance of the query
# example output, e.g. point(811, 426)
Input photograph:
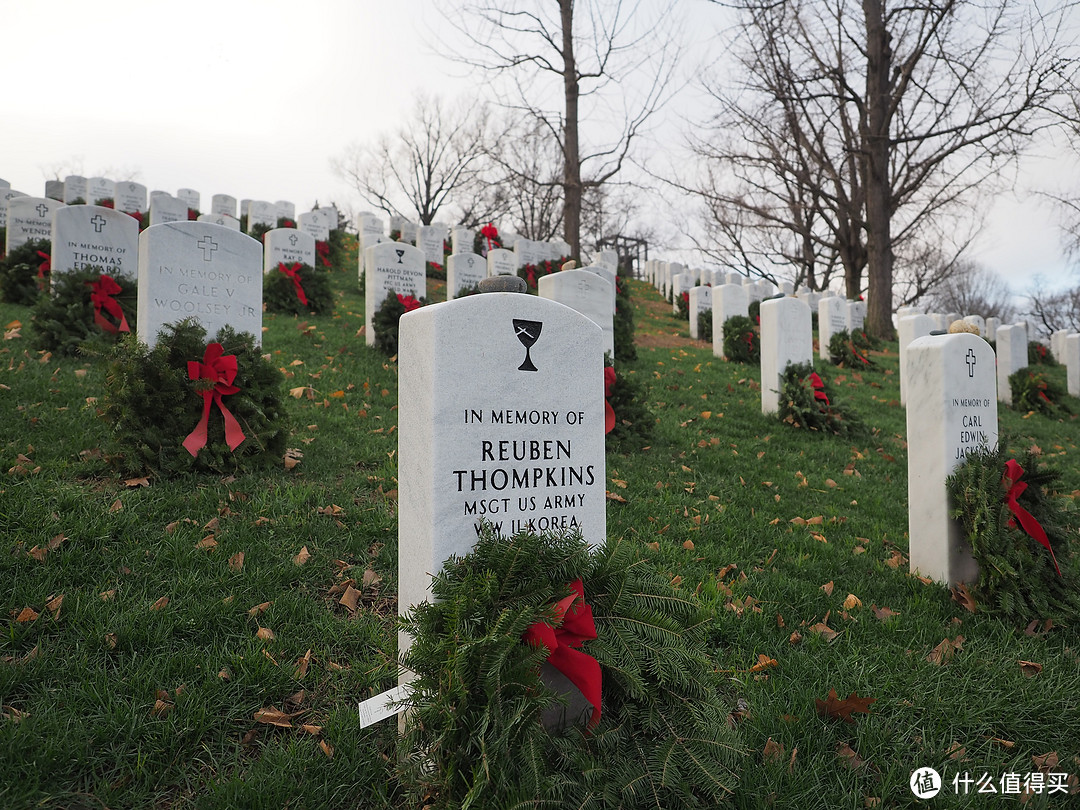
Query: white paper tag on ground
point(381, 706)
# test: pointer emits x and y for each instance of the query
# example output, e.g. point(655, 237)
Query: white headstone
point(992, 325)
point(561, 248)
point(978, 321)
point(608, 258)
point(370, 224)
point(700, 300)
point(501, 262)
point(99, 189)
point(735, 278)
point(190, 197)
point(29, 218)
point(4, 184)
point(313, 223)
point(260, 212)
point(787, 288)
point(85, 236)
point(287, 246)
point(1072, 363)
point(609, 275)
point(397, 223)
point(461, 240)
point(245, 205)
point(164, 208)
point(832, 318)
point(464, 270)
point(332, 216)
point(950, 317)
point(729, 300)
point(223, 204)
point(1012, 355)
point(202, 271)
point(391, 267)
point(54, 190)
point(130, 196)
point(520, 446)
point(224, 220)
point(910, 327)
point(787, 338)
point(952, 410)
point(1057, 344)
point(584, 292)
point(856, 316)
point(680, 285)
point(409, 231)
point(6, 196)
point(429, 239)
point(366, 241)
point(75, 188)
point(810, 298)
point(285, 210)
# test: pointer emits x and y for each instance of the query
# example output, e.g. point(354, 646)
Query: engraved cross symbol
point(292, 240)
point(98, 222)
point(208, 246)
point(970, 360)
point(399, 253)
point(42, 209)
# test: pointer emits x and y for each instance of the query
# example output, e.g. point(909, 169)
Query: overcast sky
point(253, 98)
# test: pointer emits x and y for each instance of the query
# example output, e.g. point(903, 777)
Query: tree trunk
point(876, 180)
point(571, 150)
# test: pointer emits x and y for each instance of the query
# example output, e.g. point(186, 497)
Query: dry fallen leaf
point(274, 717)
point(350, 598)
point(943, 652)
point(312, 729)
point(27, 614)
point(117, 505)
point(828, 588)
point(137, 482)
point(1030, 668)
point(834, 708)
point(823, 629)
point(160, 603)
point(302, 665)
point(161, 708)
point(327, 749)
point(108, 595)
point(302, 556)
point(265, 633)
point(54, 606)
point(852, 601)
point(236, 561)
point(961, 595)
point(259, 609)
point(773, 751)
point(848, 756)
point(207, 542)
point(292, 458)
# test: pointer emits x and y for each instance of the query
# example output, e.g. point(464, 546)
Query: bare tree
point(420, 168)
point(972, 289)
point(590, 72)
point(1055, 310)
point(863, 124)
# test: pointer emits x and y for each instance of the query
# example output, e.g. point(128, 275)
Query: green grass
point(79, 691)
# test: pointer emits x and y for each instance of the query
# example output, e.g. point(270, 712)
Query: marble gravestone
point(977, 320)
point(501, 262)
point(224, 220)
point(680, 284)
point(521, 446)
point(461, 240)
point(908, 329)
point(54, 190)
point(86, 236)
point(166, 208)
point(366, 241)
point(609, 275)
point(700, 300)
point(99, 189)
point(992, 325)
point(130, 197)
point(429, 240)
point(287, 246)
point(464, 270)
point(584, 292)
point(29, 218)
point(75, 188)
point(261, 212)
point(728, 300)
point(202, 271)
point(190, 196)
point(285, 210)
point(1071, 359)
point(245, 205)
point(6, 196)
point(391, 267)
point(787, 338)
point(223, 204)
point(1012, 355)
point(952, 410)
point(832, 318)
point(368, 224)
point(314, 225)
point(856, 316)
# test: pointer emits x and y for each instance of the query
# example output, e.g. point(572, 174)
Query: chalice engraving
point(528, 332)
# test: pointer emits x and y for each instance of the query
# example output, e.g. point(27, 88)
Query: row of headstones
point(163, 207)
point(397, 268)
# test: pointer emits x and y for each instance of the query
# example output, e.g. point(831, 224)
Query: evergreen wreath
point(741, 341)
point(436, 271)
point(152, 404)
point(67, 323)
point(682, 301)
point(704, 325)
point(24, 273)
point(259, 231)
point(475, 735)
point(634, 422)
point(471, 289)
point(1018, 576)
point(623, 321)
point(851, 351)
point(280, 293)
point(386, 317)
point(1039, 354)
point(805, 402)
point(1035, 391)
point(753, 310)
point(532, 273)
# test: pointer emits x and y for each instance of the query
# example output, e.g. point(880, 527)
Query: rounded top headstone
point(514, 284)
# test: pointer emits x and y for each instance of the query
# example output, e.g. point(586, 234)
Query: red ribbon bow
point(322, 249)
point(292, 273)
point(101, 295)
point(609, 412)
point(408, 301)
point(491, 233)
point(576, 626)
point(220, 371)
point(819, 388)
point(1014, 488)
point(45, 266)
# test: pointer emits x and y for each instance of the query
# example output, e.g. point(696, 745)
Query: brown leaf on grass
point(1030, 668)
point(773, 751)
point(224, 674)
point(327, 749)
point(160, 603)
point(27, 614)
point(943, 652)
point(795, 637)
point(896, 559)
point(962, 596)
point(111, 640)
point(117, 505)
point(39, 553)
point(852, 602)
point(1033, 629)
point(302, 556)
point(296, 699)
point(302, 664)
point(207, 542)
point(265, 633)
point(333, 510)
point(259, 609)
point(1045, 762)
point(764, 662)
point(833, 708)
point(109, 595)
point(819, 537)
point(161, 708)
point(350, 598)
point(828, 588)
point(12, 714)
point(1003, 743)
point(54, 606)
point(883, 613)
point(292, 458)
point(848, 756)
point(612, 496)
point(370, 578)
point(236, 561)
point(137, 482)
point(312, 729)
point(274, 717)
point(822, 629)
